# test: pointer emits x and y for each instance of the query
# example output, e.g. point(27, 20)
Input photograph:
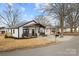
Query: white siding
point(47, 31)
point(30, 30)
point(29, 23)
point(8, 30)
point(37, 28)
point(16, 33)
point(20, 32)
point(65, 30)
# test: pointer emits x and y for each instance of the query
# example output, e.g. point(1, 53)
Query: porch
point(33, 31)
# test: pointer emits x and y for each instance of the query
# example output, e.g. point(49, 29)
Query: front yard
point(8, 44)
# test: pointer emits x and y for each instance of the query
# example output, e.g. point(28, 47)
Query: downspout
point(11, 32)
point(44, 31)
point(18, 32)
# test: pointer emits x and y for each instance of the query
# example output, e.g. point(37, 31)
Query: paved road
point(68, 48)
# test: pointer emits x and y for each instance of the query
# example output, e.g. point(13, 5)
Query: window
point(13, 31)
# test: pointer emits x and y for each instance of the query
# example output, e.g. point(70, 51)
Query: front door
point(33, 32)
point(26, 32)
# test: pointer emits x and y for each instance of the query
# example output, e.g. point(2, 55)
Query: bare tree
point(58, 10)
point(42, 20)
point(73, 17)
point(10, 16)
point(63, 11)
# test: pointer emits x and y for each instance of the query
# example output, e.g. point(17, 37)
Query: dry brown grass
point(12, 44)
point(72, 34)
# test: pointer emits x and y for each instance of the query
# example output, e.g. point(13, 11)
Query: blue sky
point(29, 10)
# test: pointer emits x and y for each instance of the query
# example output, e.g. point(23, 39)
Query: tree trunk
point(75, 29)
point(62, 19)
point(71, 29)
point(61, 24)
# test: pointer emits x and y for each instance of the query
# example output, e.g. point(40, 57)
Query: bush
point(7, 36)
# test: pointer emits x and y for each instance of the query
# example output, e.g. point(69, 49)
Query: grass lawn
point(8, 44)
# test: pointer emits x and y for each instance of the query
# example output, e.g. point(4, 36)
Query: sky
point(29, 10)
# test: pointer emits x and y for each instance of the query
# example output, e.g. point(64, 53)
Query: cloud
point(22, 8)
point(41, 5)
point(37, 6)
point(11, 4)
point(25, 16)
point(31, 16)
point(28, 17)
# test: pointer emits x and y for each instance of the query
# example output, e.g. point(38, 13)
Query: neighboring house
point(2, 30)
point(49, 30)
point(67, 29)
point(28, 29)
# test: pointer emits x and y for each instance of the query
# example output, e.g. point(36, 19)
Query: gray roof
point(24, 23)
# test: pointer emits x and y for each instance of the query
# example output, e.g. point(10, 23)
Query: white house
point(28, 29)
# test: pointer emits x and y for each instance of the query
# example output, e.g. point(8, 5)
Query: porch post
point(44, 31)
point(18, 32)
point(11, 32)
